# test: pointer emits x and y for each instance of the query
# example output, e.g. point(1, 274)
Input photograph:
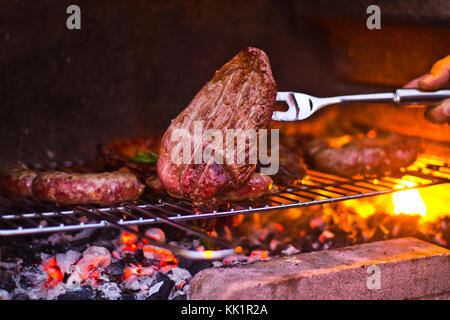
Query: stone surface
point(409, 269)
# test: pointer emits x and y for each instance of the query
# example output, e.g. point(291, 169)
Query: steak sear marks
point(240, 96)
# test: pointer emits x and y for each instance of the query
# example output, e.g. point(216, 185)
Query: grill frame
point(430, 168)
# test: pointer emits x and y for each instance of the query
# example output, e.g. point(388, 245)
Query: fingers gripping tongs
point(301, 106)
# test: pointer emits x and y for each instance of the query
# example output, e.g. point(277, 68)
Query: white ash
point(156, 234)
point(144, 286)
point(110, 290)
point(35, 274)
point(65, 237)
point(37, 277)
point(138, 283)
point(94, 259)
point(180, 274)
point(217, 264)
point(44, 256)
point(155, 288)
point(66, 260)
point(179, 292)
point(181, 277)
point(81, 266)
point(147, 290)
point(53, 293)
point(4, 295)
point(290, 250)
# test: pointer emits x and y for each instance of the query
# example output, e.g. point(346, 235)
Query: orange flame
point(258, 255)
point(138, 271)
point(55, 275)
point(128, 238)
point(408, 201)
point(164, 256)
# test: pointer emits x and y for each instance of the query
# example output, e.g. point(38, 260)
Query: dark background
point(134, 65)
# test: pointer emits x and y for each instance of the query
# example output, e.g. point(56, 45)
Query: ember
point(256, 255)
point(55, 275)
point(155, 234)
point(138, 271)
point(164, 256)
point(93, 258)
point(128, 238)
point(129, 241)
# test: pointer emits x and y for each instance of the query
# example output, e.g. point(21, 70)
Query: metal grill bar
point(25, 217)
point(217, 254)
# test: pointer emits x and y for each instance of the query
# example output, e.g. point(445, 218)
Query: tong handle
point(399, 96)
point(418, 97)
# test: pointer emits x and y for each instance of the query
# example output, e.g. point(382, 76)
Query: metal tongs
point(301, 106)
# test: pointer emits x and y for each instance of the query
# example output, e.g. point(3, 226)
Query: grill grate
point(27, 216)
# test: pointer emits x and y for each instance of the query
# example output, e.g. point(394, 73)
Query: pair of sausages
point(17, 179)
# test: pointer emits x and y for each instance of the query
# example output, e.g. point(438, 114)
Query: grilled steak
point(368, 156)
point(291, 168)
point(240, 96)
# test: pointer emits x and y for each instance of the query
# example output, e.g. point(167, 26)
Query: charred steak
point(239, 96)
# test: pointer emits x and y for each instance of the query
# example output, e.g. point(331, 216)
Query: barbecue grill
point(26, 216)
point(134, 66)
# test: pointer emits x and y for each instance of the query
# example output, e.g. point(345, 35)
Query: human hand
point(437, 78)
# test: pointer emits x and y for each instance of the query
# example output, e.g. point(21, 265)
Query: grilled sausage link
point(83, 188)
point(16, 179)
point(369, 156)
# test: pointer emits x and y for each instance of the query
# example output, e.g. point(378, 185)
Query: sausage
point(83, 188)
point(16, 179)
point(368, 156)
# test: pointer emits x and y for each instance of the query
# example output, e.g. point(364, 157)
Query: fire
point(55, 275)
point(128, 238)
point(129, 242)
point(339, 141)
point(164, 256)
point(132, 271)
point(258, 255)
point(429, 203)
point(408, 201)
